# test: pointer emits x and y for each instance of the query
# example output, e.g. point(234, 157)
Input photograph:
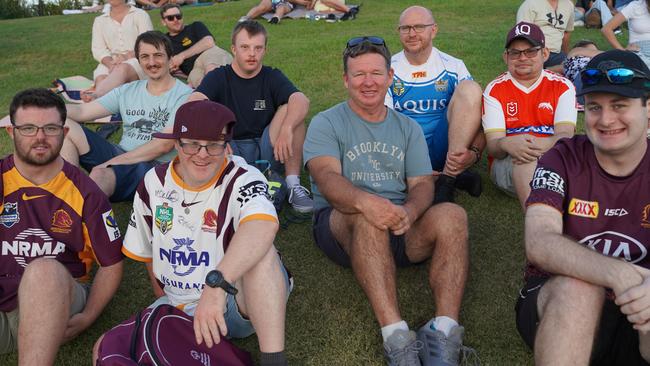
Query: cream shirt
point(111, 37)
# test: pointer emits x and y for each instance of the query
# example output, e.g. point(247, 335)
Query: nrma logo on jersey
point(614, 244)
point(183, 258)
point(31, 243)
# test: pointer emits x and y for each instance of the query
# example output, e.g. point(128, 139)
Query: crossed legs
point(440, 234)
point(464, 116)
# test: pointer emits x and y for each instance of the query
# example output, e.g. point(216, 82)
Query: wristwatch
point(215, 279)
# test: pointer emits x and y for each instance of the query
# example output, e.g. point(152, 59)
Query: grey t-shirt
point(376, 157)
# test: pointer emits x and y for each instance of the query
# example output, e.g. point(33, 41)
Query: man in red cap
point(525, 111)
point(212, 211)
point(587, 294)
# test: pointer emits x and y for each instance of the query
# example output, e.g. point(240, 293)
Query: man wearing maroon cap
point(587, 291)
point(204, 226)
point(525, 111)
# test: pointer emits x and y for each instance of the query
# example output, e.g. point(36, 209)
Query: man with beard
point(146, 106)
point(53, 221)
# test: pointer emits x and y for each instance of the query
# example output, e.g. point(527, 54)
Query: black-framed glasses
point(514, 54)
point(618, 75)
point(193, 148)
point(170, 18)
point(418, 28)
point(377, 41)
point(32, 130)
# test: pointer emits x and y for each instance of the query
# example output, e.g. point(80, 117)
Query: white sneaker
point(243, 19)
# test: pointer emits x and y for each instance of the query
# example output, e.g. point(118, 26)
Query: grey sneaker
point(401, 349)
point(439, 350)
point(300, 200)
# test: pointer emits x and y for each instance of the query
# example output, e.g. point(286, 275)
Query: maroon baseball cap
point(201, 120)
point(528, 31)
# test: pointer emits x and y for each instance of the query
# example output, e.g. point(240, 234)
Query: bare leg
point(441, 234)
point(262, 8)
point(75, 143)
point(44, 298)
point(569, 311)
point(336, 5)
point(644, 345)
point(521, 177)
point(292, 165)
point(105, 179)
point(121, 74)
point(464, 116)
point(372, 263)
point(265, 301)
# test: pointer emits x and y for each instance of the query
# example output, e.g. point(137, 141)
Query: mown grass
point(329, 321)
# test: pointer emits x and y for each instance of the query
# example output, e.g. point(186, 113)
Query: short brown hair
point(156, 39)
point(168, 6)
point(252, 27)
point(364, 48)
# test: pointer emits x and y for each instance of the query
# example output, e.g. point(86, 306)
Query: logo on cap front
point(183, 128)
point(522, 29)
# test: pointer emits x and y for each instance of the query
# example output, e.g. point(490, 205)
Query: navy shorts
point(259, 148)
point(617, 343)
point(327, 243)
point(555, 58)
point(127, 177)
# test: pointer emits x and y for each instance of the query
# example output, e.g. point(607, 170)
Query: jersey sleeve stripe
point(261, 217)
point(135, 257)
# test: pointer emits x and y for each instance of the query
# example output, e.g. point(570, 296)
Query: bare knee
point(101, 174)
point(448, 217)
point(45, 271)
point(468, 91)
point(572, 295)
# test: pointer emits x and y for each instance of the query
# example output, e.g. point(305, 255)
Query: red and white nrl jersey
point(511, 107)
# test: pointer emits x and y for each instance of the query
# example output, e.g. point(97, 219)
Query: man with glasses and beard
point(53, 221)
point(234, 283)
point(437, 91)
point(373, 190)
point(587, 294)
point(146, 106)
point(525, 111)
point(194, 51)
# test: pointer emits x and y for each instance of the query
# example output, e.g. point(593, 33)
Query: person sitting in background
point(525, 111)
point(113, 39)
point(194, 51)
point(555, 18)
point(577, 59)
point(637, 15)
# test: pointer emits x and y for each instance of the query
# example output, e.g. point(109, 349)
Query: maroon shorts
point(327, 243)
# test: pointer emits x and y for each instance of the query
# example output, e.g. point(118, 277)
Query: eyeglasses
point(514, 54)
point(377, 41)
point(32, 130)
point(619, 75)
point(192, 148)
point(170, 18)
point(418, 28)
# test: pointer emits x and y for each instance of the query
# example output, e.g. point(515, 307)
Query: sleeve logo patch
point(110, 224)
point(549, 180)
point(252, 190)
point(583, 208)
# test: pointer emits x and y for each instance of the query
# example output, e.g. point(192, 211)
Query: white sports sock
point(388, 330)
point(443, 324)
point(292, 180)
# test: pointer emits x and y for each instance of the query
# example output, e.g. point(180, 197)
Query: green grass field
point(329, 321)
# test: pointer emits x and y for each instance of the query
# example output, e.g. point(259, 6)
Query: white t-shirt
point(186, 233)
point(638, 20)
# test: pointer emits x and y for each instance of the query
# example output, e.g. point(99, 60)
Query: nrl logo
point(512, 109)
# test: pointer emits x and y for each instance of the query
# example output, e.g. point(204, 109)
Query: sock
point(443, 324)
point(388, 330)
point(292, 180)
point(273, 359)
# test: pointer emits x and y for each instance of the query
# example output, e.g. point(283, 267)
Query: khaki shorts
point(501, 175)
point(9, 320)
point(212, 56)
point(101, 69)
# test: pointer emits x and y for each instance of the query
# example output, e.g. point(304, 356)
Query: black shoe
point(274, 20)
point(470, 182)
point(445, 189)
point(351, 14)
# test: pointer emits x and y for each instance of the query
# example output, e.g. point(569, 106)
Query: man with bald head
point(437, 91)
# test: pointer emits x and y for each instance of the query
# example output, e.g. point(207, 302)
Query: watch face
point(213, 279)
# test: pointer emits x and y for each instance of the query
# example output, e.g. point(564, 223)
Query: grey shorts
point(501, 175)
point(9, 320)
